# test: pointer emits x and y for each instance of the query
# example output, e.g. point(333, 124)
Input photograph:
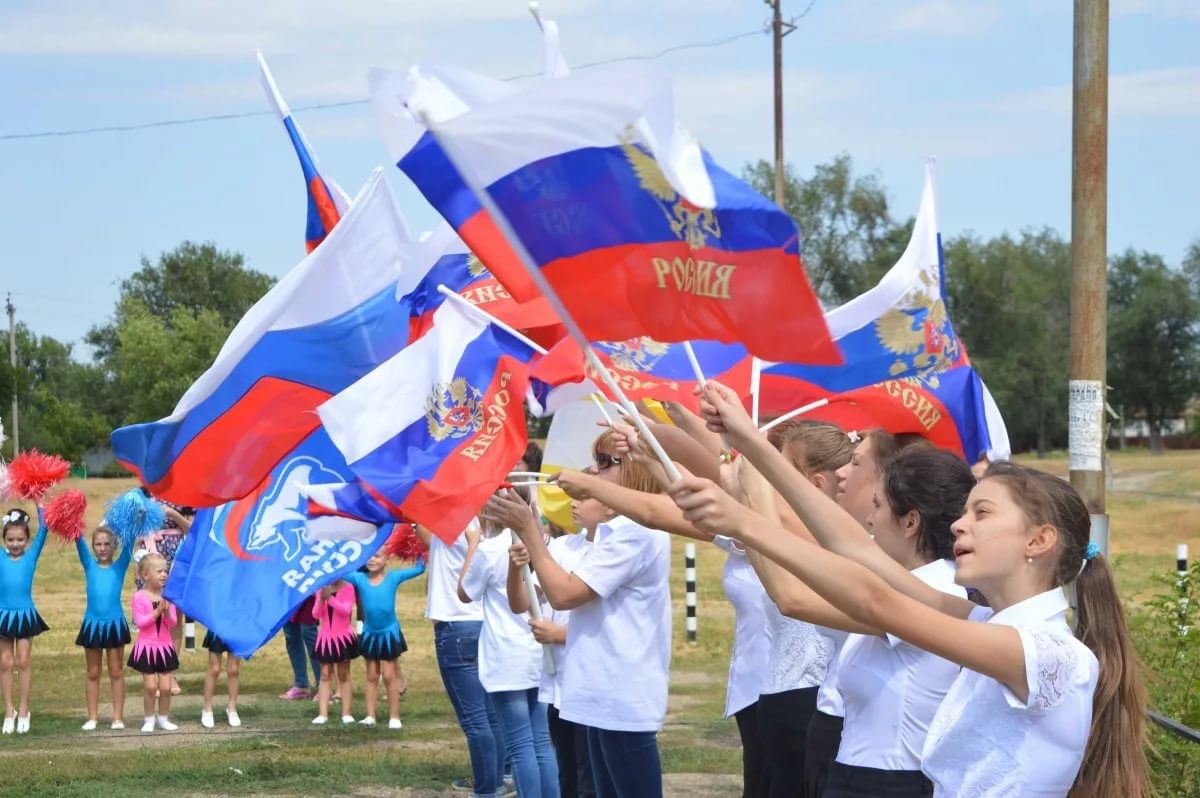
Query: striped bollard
point(189, 634)
point(1181, 570)
point(689, 576)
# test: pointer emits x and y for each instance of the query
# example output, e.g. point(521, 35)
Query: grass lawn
point(278, 752)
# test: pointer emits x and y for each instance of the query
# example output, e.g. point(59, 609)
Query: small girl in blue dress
point(382, 640)
point(104, 628)
point(19, 618)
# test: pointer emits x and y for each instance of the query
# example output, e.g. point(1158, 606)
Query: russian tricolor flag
point(638, 230)
point(431, 433)
point(905, 370)
point(331, 320)
point(327, 203)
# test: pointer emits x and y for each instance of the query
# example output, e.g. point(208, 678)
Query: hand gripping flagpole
point(573, 329)
point(691, 356)
point(535, 608)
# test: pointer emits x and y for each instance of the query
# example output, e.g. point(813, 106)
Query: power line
point(192, 120)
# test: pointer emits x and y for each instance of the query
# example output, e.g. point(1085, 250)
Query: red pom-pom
point(64, 515)
point(32, 474)
point(405, 545)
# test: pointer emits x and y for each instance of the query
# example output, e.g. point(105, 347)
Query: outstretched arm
point(990, 649)
point(653, 510)
point(402, 575)
point(831, 526)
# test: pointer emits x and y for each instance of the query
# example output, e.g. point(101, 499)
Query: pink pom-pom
point(32, 474)
point(404, 544)
point(64, 515)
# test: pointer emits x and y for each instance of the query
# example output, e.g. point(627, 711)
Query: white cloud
point(946, 19)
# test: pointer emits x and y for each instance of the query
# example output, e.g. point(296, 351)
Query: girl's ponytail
point(1114, 762)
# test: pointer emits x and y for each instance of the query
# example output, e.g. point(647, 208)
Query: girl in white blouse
point(1037, 711)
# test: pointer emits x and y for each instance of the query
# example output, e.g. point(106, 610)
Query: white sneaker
point(232, 715)
point(89, 726)
point(319, 720)
point(23, 725)
point(367, 721)
point(206, 718)
point(395, 725)
point(148, 726)
point(165, 724)
point(347, 719)
point(10, 722)
point(117, 725)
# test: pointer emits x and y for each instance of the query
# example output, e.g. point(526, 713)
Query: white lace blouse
point(984, 741)
point(799, 653)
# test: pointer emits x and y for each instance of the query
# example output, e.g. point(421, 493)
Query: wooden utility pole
point(779, 29)
point(12, 360)
point(1089, 259)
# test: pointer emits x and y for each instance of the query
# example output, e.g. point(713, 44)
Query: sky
point(984, 85)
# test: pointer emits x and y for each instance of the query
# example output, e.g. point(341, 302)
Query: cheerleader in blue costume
point(19, 618)
point(104, 628)
point(382, 641)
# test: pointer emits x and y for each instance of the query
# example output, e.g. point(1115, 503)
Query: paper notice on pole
point(1085, 431)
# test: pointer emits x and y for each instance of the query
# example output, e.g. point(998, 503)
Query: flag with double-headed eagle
point(327, 203)
point(433, 431)
point(637, 229)
point(465, 274)
point(906, 370)
point(642, 367)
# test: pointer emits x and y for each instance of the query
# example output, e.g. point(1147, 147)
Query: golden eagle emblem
point(918, 332)
point(636, 354)
point(690, 223)
point(453, 411)
point(475, 266)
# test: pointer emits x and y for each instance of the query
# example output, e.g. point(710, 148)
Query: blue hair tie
point(1091, 551)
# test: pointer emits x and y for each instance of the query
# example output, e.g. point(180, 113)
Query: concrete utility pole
point(12, 360)
point(779, 29)
point(1089, 260)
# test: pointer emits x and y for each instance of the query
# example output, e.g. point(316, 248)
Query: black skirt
point(145, 661)
point(821, 747)
point(102, 635)
point(332, 652)
point(21, 624)
point(853, 781)
point(384, 646)
point(214, 644)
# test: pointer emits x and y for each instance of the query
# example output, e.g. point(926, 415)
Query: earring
point(1029, 560)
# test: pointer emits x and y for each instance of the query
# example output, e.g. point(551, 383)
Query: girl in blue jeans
point(510, 660)
point(456, 630)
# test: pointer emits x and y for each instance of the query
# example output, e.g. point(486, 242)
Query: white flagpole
point(535, 608)
point(453, 297)
point(518, 247)
point(788, 416)
point(599, 400)
point(755, 387)
point(691, 356)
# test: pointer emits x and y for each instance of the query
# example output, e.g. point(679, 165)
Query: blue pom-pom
point(133, 515)
point(1091, 551)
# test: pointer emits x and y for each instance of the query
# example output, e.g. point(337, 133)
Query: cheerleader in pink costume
point(154, 654)
point(336, 645)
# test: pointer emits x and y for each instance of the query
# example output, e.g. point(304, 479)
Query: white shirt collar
point(935, 571)
point(1042, 607)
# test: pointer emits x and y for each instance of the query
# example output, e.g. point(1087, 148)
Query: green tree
point(847, 236)
point(1153, 343)
point(1009, 300)
point(156, 360)
point(59, 413)
point(192, 277)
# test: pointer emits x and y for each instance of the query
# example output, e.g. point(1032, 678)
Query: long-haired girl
point(104, 632)
point(1037, 709)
